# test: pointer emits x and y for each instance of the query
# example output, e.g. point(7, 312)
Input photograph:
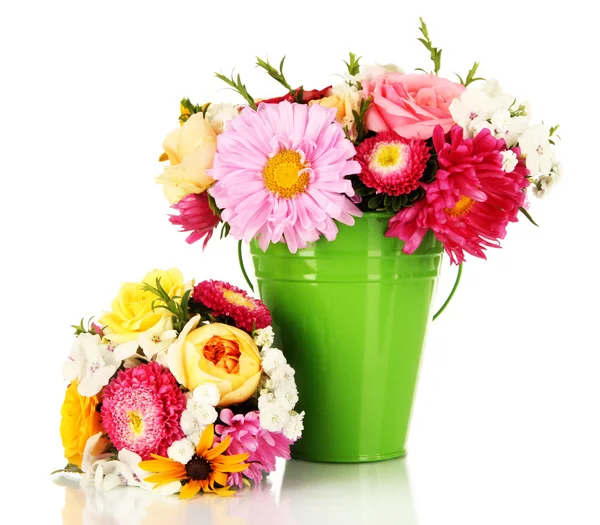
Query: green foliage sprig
point(435, 53)
point(529, 217)
point(237, 85)
point(82, 329)
point(187, 104)
point(278, 75)
point(470, 75)
point(359, 119)
point(176, 305)
point(353, 65)
point(553, 131)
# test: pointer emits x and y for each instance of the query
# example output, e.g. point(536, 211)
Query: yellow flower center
point(136, 423)
point(463, 206)
point(388, 155)
point(282, 174)
point(237, 298)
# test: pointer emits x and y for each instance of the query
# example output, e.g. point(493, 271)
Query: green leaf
point(387, 201)
point(397, 204)
point(363, 191)
point(237, 85)
point(274, 73)
point(69, 468)
point(526, 213)
point(470, 78)
point(374, 202)
point(353, 64)
point(434, 53)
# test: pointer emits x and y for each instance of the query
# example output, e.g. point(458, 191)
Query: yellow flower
point(80, 421)
point(190, 150)
point(206, 471)
point(220, 354)
point(345, 99)
point(132, 312)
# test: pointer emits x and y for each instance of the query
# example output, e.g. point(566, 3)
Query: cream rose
point(216, 353)
point(345, 99)
point(190, 150)
point(132, 312)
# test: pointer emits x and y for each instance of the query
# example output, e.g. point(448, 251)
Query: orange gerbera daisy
point(206, 471)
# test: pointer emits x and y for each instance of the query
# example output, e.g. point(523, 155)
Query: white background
point(506, 422)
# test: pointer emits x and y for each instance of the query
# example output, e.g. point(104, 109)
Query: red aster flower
point(392, 164)
point(226, 299)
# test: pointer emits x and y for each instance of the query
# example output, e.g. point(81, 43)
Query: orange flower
point(206, 471)
point(80, 421)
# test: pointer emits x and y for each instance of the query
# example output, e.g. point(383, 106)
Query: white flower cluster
point(199, 413)
point(264, 337)
point(93, 362)
point(491, 108)
point(278, 396)
point(104, 472)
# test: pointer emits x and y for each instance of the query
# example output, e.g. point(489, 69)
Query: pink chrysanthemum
point(222, 298)
point(141, 409)
point(280, 175)
point(247, 436)
point(471, 201)
point(392, 164)
point(195, 216)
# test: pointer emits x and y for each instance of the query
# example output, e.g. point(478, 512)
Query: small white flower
point(539, 155)
point(220, 114)
point(294, 427)
point(284, 373)
point(158, 338)
point(264, 337)
point(266, 401)
point(182, 450)
point(286, 395)
point(509, 161)
point(272, 358)
point(207, 394)
point(274, 418)
point(193, 421)
point(503, 126)
point(371, 71)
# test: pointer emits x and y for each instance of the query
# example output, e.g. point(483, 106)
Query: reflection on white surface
point(297, 493)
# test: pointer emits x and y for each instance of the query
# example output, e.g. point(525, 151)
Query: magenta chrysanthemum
point(392, 164)
point(141, 409)
point(471, 201)
point(280, 175)
point(247, 436)
point(195, 216)
point(222, 298)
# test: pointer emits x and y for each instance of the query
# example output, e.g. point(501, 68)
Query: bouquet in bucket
point(178, 389)
point(456, 158)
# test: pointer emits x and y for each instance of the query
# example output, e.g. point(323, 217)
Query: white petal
point(123, 351)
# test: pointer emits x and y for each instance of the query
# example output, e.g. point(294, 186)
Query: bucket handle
point(437, 314)
point(447, 302)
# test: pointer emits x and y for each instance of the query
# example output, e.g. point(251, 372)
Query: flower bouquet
point(178, 389)
point(395, 168)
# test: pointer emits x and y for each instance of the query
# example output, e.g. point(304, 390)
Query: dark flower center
point(198, 468)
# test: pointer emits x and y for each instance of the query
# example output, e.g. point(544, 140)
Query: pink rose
point(411, 105)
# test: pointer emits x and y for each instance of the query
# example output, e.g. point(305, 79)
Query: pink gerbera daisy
point(247, 436)
point(280, 175)
point(141, 409)
point(392, 164)
point(195, 216)
point(222, 298)
point(471, 201)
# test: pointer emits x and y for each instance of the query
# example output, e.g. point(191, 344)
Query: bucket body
point(351, 316)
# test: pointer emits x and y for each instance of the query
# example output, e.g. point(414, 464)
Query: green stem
point(458, 275)
point(241, 261)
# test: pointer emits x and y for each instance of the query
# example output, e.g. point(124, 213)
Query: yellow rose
point(190, 150)
point(220, 354)
point(80, 421)
point(132, 311)
point(345, 99)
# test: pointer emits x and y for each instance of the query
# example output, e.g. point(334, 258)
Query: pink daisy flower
point(392, 164)
point(280, 175)
point(471, 201)
point(222, 298)
point(247, 436)
point(141, 409)
point(195, 216)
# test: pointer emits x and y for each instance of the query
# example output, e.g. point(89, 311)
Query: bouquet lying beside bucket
point(451, 157)
point(178, 389)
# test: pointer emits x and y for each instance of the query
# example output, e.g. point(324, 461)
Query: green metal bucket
point(351, 317)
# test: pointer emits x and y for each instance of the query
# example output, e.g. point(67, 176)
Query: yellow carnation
point(80, 421)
